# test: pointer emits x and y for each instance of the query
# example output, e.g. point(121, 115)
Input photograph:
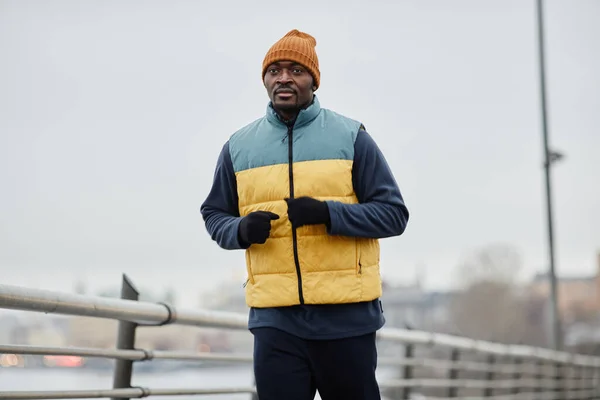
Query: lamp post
point(549, 158)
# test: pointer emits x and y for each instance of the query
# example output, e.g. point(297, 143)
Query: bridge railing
point(448, 367)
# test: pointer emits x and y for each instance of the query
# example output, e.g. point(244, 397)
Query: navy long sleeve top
point(379, 213)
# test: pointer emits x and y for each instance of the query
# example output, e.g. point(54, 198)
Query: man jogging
point(307, 193)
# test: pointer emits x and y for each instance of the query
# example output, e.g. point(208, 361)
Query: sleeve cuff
point(334, 216)
point(236, 229)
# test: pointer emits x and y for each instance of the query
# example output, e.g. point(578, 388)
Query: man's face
point(290, 87)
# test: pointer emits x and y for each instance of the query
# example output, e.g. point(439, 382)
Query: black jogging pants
point(290, 368)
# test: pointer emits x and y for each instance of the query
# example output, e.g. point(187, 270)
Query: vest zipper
point(294, 237)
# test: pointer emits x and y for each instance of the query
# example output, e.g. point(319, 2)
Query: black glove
point(307, 211)
point(256, 227)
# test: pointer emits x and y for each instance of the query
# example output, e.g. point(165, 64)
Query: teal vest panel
point(319, 134)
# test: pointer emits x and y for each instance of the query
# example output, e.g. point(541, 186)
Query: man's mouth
point(285, 93)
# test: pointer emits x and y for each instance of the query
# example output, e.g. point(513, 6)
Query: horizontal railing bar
point(147, 355)
point(143, 355)
point(477, 366)
point(38, 300)
point(583, 395)
point(138, 392)
point(46, 301)
point(479, 346)
point(475, 384)
point(174, 355)
point(191, 392)
point(131, 355)
point(134, 393)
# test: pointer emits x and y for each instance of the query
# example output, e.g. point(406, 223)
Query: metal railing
point(450, 367)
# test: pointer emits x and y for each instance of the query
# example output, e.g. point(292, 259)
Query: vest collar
point(305, 116)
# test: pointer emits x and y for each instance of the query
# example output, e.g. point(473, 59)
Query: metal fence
point(430, 366)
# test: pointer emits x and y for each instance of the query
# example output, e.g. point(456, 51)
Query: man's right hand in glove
point(256, 227)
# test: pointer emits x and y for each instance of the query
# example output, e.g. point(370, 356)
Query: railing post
point(592, 387)
point(580, 375)
point(558, 377)
point(590, 382)
point(595, 383)
point(453, 373)
point(585, 382)
point(580, 382)
point(489, 391)
point(517, 376)
point(408, 370)
point(125, 339)
point(570, 380)
point(539, 376)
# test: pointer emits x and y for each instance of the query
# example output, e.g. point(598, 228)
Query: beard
point(287, 106)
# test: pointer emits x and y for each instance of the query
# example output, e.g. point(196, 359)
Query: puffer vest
point(313, 158)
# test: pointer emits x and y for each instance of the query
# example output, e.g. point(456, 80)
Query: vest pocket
point(249, 267)
point(358, 260)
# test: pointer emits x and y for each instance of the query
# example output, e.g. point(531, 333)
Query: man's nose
point(284, 77)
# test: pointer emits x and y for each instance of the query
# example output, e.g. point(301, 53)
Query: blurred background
point(112, 115)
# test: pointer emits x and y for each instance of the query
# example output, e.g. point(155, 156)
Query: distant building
point(578, 297)
point(578, 306)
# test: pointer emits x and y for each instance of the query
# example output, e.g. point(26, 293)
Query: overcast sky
point(112, 114)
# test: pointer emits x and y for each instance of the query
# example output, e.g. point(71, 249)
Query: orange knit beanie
point(295, 46)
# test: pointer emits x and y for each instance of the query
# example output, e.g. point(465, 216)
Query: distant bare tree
point(491, 305)
point(497, 263)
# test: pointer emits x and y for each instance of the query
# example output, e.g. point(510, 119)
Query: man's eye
point(298, 71)
point(273, 71)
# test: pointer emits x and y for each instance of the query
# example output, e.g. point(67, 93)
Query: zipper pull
point(245, 283)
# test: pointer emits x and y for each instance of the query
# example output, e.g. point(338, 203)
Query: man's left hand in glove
point(307, 211)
